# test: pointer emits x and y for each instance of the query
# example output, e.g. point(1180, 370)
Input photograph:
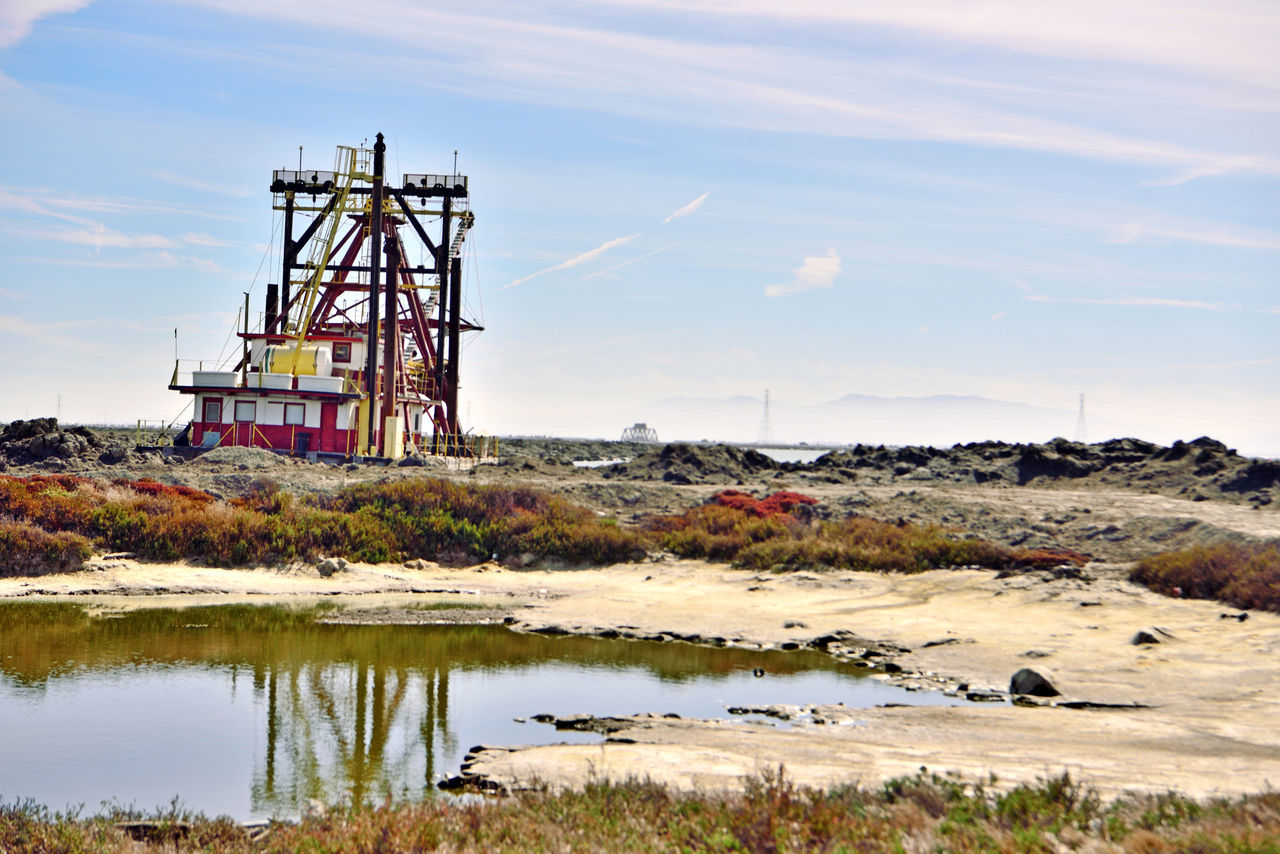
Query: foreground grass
point(1246, 575)
point(924, 813)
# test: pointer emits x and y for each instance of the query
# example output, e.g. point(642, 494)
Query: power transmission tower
point(1082, 432)
point(766, 422)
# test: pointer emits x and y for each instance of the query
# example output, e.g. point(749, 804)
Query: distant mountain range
point(939, 420)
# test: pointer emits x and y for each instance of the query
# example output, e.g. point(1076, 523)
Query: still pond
point(250, 711)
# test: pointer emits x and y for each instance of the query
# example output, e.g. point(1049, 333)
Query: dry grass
point(52, 519)
point(778, 533)
point(1246, 575)
point(50, 522)
point(924, 813)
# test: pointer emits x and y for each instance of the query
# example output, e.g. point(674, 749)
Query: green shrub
point(28, 550)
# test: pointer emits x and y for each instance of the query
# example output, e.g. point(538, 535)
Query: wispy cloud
point(141, 261)
point(98, 236)
point(1205, 170)
point(1157, 302)
point(203, 186)
point(202, 239)
point(817, 272)
point(47, 215)
point(999, 315)
point(1157, 231)
point(688, 209)
point(1030, 294)
point(574, 261)
point(1233, 40)
point(57, 333)
point(68, 206)
point(767, 84)
point(18, 16)
point(630, 261)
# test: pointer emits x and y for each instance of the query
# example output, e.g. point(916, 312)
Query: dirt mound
point(27, 429)
point(526, 463)
point(251, 459)
point(683, 463)
point(41, 441)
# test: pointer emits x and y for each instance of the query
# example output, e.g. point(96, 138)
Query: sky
point(703, 199)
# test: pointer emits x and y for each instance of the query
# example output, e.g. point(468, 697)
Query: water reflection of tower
point(436, 719)
point(357, 730)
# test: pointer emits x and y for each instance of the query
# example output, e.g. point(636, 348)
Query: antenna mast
point(766, 423)
point(1082, 433)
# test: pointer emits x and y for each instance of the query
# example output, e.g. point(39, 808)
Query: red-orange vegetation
point(777, 504)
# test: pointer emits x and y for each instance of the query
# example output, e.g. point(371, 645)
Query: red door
point(329, 428)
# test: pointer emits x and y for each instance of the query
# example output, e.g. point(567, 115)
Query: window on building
point(342, 352)
point(213, 411)
point(246, 410)
point(295, 413)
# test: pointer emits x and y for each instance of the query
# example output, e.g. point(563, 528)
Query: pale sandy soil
point(1212, 685)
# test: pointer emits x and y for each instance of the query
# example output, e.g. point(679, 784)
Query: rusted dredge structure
point(357, 350)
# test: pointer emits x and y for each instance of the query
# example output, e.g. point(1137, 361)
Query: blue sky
point(1021, 200)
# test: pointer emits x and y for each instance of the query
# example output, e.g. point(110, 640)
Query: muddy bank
point(1188, 707)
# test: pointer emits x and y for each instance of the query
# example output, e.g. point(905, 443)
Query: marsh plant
point(1246, 575)
point(778, 532)
point(49, 523)
point(926, 812)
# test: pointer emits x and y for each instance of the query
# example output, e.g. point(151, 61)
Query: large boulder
point(1028, 681)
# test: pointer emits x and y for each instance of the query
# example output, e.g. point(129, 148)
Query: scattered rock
point(979, 695)
point(780, 711)
point(1028, 681)
point(331, 565)
point(1144, 637)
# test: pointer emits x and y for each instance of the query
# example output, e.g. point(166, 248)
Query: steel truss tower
point(348, 272)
